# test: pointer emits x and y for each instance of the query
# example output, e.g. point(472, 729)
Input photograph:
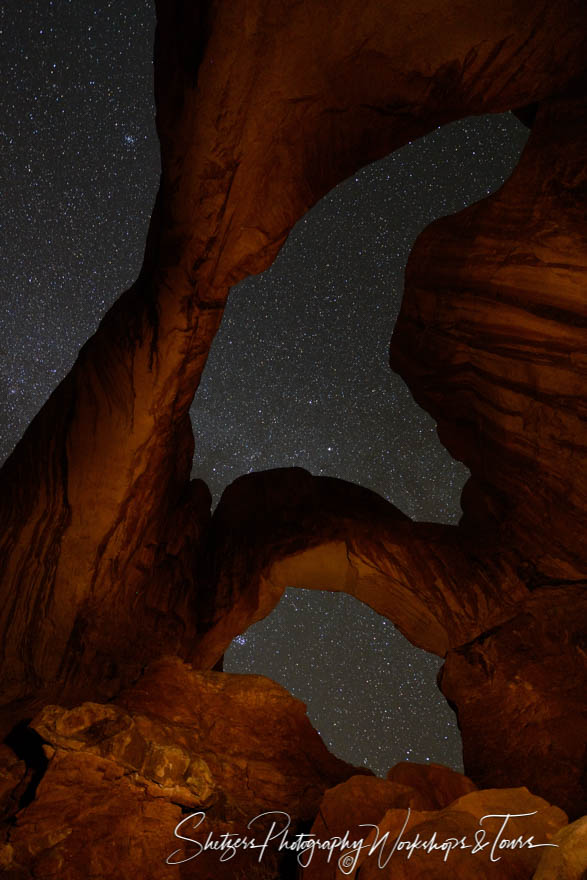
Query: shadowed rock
point(121, 776)
point(285, 528)
point(470, 842)
point(100, 527)
point(519, 693)
point(109, 557)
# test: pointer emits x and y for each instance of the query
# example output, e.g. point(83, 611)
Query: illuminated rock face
point(568, 861)
point(361, 802)
point(462, 823)
point(110, 557)
point(119, 775)
point(383, 818)
point(160, 782)
point(100, 528)
point(286, 528)
point(497, 292)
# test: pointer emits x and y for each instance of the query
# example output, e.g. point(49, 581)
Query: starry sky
point(297, 375)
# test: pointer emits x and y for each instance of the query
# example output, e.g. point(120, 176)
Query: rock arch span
point(104, 539)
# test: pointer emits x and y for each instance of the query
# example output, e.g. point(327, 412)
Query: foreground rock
point(437, 785)
point(121, 776)
point(467, 839)
point(569, 860)
point(349, 809)
point(14, 778)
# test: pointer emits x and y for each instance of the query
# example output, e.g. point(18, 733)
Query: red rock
point(104, 540)
point(437, 785)
point(201, 736)
point(491, 340)
point(179, 744)
point(456, 827)
point(14, 778)
point(101, 530)
point(91, 819)
point(352, 807)
point(285, 528)
point(519, 693)
point(569, 860)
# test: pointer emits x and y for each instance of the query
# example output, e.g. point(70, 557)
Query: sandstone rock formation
point(438, 786)
point(491, 339)
point(14, 778)
point(569, 860)
point(285, 528)
point(465, 836)
point(478, 837)
point(350, 809)
point(99, 521)
point(528, 676)
point(178, 744)
point(110, 557)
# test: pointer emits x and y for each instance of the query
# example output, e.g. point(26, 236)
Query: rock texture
point(109, 555)
point(91, 819)
point(463, 849)
point(569, 860)
point(100, 527)
point(528, 676)
point(351, 808)
point(178, 744)
point(437, 785)
point(286, 528)
point(14, 778)
point(491, 339)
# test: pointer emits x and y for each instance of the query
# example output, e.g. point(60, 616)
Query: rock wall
point(97, 492)
point(491, 339)
point(110, 557)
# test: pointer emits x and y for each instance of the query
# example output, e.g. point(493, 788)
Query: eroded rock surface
point(469, 836)
point(259, 114)
point(222, 749)
point(569, 860)
point(437, 785)
point(14, 778)
point(91, 819)
point(348, 810)
point(491, 339)
point(286, 528)
point(519, 692)
point(105, 541)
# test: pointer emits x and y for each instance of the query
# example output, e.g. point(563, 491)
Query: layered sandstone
point(528, 676)
point(110, 556)
point(286, 528)
point(100, 528)
point(491, 339)
point(213, 750)
point(474, 842)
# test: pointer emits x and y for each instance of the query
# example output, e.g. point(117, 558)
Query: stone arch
point(286, 528)
point(96, 506)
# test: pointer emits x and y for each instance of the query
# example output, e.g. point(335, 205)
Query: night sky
point(298, 374)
